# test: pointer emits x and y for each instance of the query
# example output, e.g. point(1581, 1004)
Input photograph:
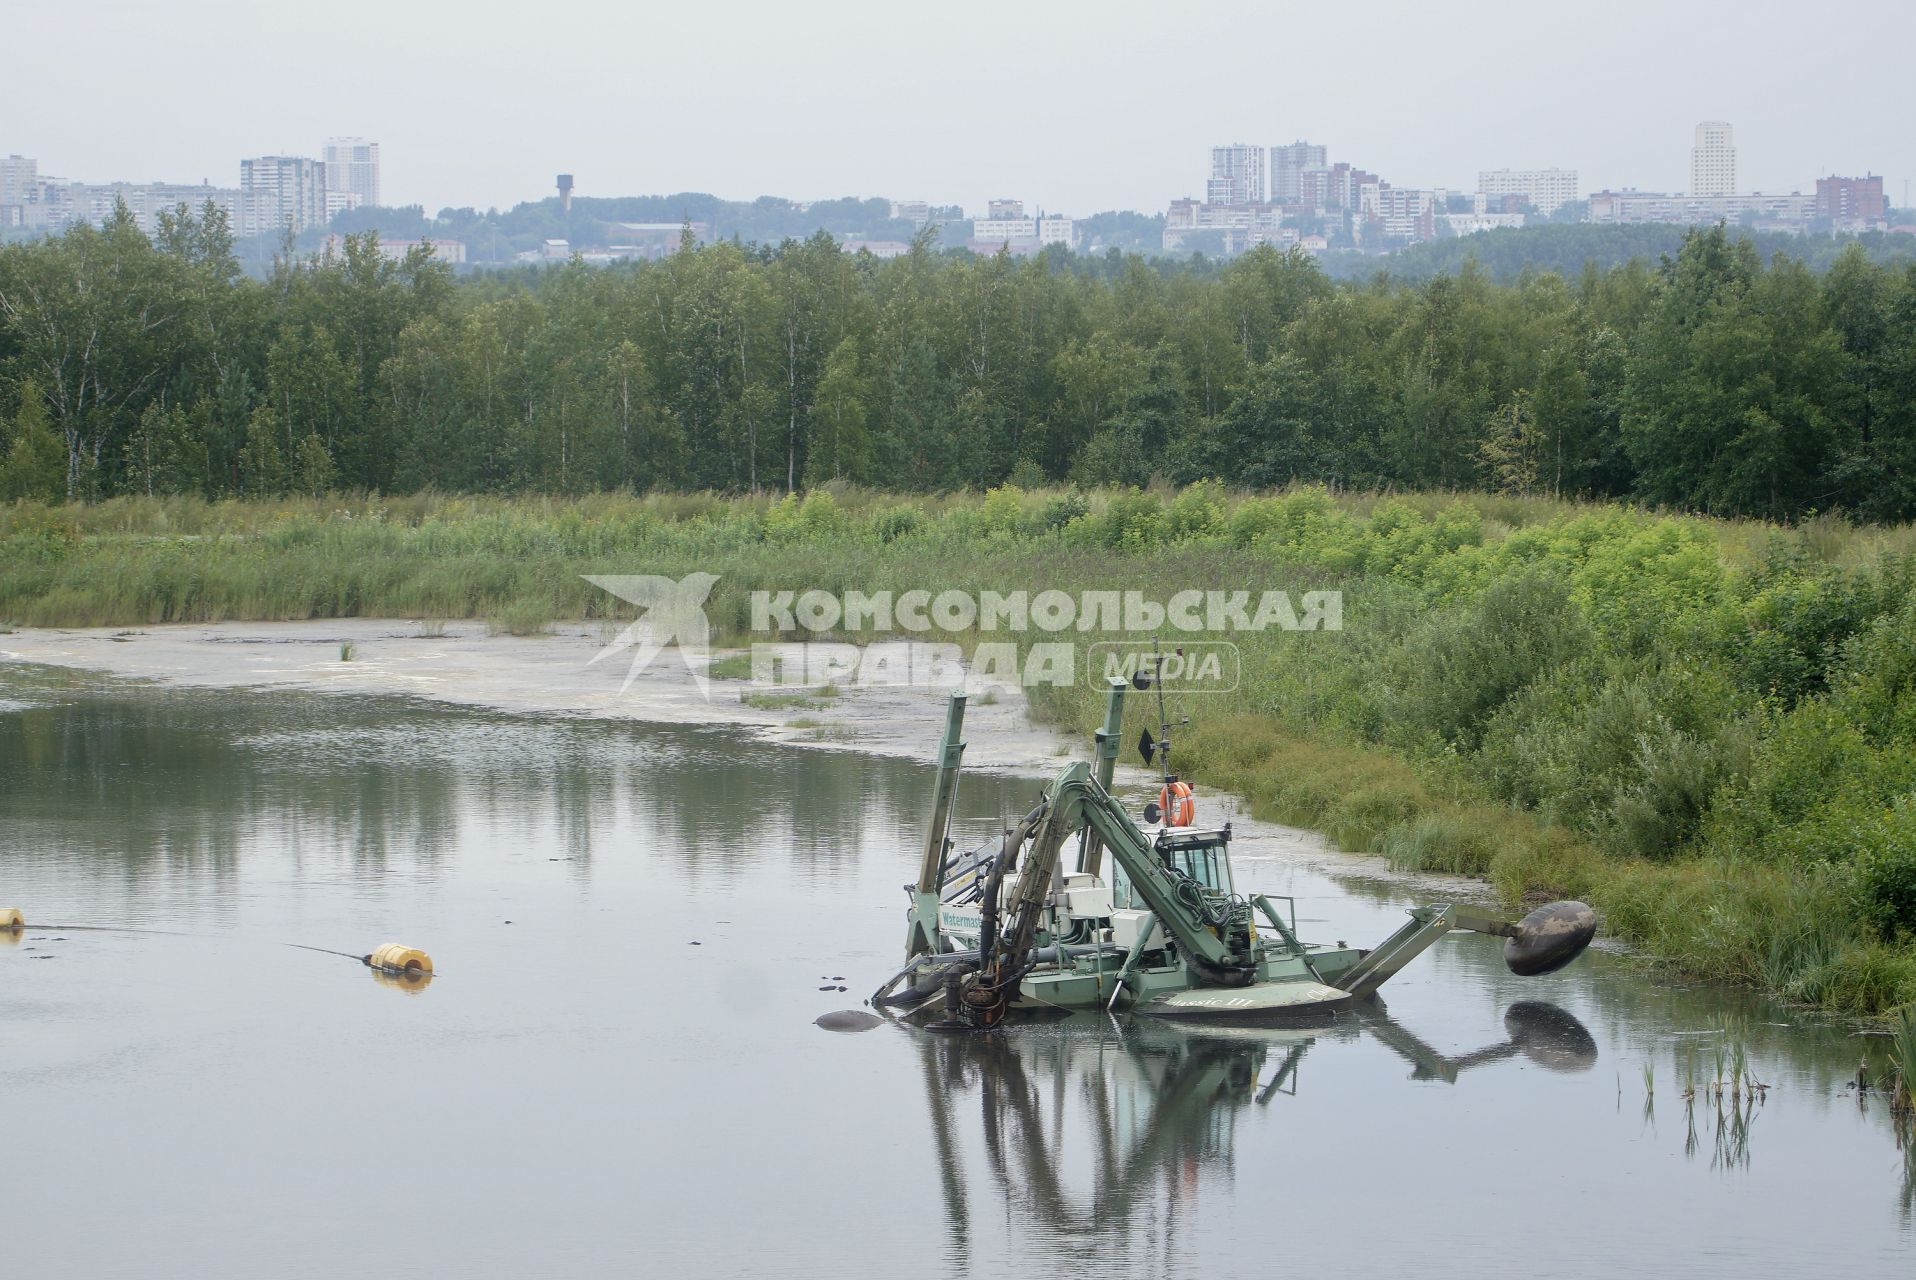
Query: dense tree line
point(595, 220)
point(1712, 381)
point(1509, 254)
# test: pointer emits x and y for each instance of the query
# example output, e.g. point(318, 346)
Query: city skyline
point(354, 163)
point(474, 114)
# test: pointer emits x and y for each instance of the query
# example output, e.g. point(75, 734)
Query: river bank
point(1705, 728)
point(552, 672)
point(555, 674)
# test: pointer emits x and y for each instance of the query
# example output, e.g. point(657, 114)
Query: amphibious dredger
point(1164, 932)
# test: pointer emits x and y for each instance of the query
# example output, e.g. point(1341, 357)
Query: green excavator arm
point(1081, 804)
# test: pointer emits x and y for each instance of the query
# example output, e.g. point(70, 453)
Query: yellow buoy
point(10, 918)
point(393, 957)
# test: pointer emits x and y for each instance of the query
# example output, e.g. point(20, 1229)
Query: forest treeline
point(1507, 254)
point(1711, 380)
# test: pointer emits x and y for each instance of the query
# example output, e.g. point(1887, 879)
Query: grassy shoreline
point(1705, 728)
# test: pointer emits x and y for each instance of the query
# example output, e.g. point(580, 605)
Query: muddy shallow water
point(585, 1091)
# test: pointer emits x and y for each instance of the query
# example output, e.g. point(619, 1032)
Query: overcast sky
point(1076, 107)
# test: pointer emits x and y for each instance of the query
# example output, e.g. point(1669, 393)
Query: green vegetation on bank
point(1712, 381)
point(1707, 728)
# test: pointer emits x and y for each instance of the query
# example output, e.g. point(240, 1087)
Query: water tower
point(565, 193)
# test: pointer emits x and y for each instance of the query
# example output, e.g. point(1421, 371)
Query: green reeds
point(1902, 1057)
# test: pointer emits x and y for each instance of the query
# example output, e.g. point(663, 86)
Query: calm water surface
point(584, 1091)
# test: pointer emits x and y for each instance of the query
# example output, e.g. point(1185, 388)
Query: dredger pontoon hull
point(1285, 985)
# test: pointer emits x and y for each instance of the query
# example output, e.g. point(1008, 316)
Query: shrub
point(1460, 667)
point(1134, 521)
point(999, 514)
point(1886, 872)
point(1790, 633)
point(1027, 475)
point(1876, 686)
point(1063, 509)
point(1198, 512)
point(889, 524)
point(1676, 778)
point(38, 533)
point(1635, 757)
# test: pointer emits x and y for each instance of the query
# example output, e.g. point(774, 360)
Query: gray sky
point(1076, 107)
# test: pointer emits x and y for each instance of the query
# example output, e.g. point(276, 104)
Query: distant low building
point(1793, 211)
point(58, 204)
point(1468, 224)
point(1546, 189)
point(1240, 227)
point(997, 231)
point(1010, 228)
point(451, 252)
point(876, 248)
point(916, 212)
point(655, 240)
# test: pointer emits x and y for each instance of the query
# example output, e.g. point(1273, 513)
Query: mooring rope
point(36, 928)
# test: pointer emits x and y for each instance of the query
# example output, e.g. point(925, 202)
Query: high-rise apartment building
point(1852, 203)
point(1288, 164)
point(280, 192)
point(19, 179)
point(1548, 189)
point(1237, 175)
point(1713, 160)
point(1332, 187)
point(352, 165)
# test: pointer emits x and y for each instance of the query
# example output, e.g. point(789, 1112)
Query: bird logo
point(670, 612)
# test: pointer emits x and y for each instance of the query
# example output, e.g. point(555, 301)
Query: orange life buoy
point(1175, 801)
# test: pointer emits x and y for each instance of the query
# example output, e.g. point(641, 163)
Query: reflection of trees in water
point(186, 780)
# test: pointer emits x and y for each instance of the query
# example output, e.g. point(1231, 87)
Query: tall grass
point(1902, 1057)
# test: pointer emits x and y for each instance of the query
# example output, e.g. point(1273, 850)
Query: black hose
point(1221, 975)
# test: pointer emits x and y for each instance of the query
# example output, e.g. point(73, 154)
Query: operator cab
point(1200, 853)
